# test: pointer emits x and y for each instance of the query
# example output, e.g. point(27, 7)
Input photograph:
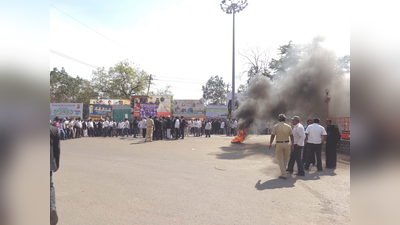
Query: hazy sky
point(184, 42)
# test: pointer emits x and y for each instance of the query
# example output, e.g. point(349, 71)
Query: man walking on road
point(282, 131)
point(295, 155)
point(150, 129)
point(316, 136)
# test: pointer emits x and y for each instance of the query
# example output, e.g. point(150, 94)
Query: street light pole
point(234, 7)
point(327, 100)
point(233, 68)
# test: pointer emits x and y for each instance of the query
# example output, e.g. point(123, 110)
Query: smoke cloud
point(300, 91)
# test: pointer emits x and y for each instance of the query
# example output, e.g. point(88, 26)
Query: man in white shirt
point(110, 128)
point(315, 136)
point(126, 128)
point(144, 127)
point(198, 127)
point(295, 155)
point(177, 130)
point(90, 128)
point(233, 127)
point(78, 127)
point(190, 125)
point(222, 127)
point(105, 128)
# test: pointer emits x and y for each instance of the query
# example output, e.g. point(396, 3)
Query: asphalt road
point(192, 181)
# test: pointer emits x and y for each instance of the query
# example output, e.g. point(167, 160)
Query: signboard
point(147, 109)
point(110, 101)
point(216, 111)
point(163, 103)
point(189, 108)
point(100, 110)
point(136, 100)
point(62, 110)
point(240, 99)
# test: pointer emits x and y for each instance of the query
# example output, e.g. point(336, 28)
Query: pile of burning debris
point(240, 138)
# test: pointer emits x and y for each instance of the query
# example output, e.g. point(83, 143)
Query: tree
point(121, 81)
point(343, 65)
point(242, 88)
point(214, 92)
point(63, 87)
point(288, 57)
point(87, 92)
point(162, 91)
point(257, 63)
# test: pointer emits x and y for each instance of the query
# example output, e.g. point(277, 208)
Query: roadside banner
point(110, 101)
point(147, 109)
point(163, 103)
point(62, 110)
point(136, 100)
point(216, 111)
point(99, 110)
point(189, 108)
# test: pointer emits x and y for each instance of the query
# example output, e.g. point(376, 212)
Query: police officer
point(332, 140)
point(282, 131)
point(150, 129)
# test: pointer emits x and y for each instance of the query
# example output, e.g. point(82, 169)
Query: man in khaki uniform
point(150, 129)
point(282, 131)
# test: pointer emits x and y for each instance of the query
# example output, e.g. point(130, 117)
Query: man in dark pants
point(316, 136)
point(295, 155)
point(332, 140)
point(182, 127)
point(135, 126)
point(54, 165)
point(304, 158)
point(173, 128)
point(161, 131)
point(157, 125)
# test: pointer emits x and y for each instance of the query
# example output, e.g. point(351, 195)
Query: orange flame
point(240, 138)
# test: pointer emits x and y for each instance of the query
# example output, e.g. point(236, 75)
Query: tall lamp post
point(235, 6)
point(327, 100)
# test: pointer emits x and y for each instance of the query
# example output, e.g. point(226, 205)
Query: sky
point(183, 43)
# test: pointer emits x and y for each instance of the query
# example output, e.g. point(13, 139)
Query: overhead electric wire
point(72, 58)
point(125, 48)
point(181, 81)
point(181, 78)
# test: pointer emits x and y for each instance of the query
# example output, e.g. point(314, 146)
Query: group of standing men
point(311, 138)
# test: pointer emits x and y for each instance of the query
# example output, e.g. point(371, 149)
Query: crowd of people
point(164, 127)
point(311, 137)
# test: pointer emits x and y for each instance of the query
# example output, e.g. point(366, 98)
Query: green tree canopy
point(63, 87)
point(122, 80)
point(214, 92)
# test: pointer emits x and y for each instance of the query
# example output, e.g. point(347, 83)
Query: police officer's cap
point(282, 117)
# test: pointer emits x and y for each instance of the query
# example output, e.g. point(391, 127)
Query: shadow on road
point(291, 180)
point(240, 151)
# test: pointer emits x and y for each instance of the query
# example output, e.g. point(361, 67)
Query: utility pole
point(227, 91)
point(232, 8)
point(150, 79)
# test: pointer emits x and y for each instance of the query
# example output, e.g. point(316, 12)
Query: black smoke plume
point(299, 91)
